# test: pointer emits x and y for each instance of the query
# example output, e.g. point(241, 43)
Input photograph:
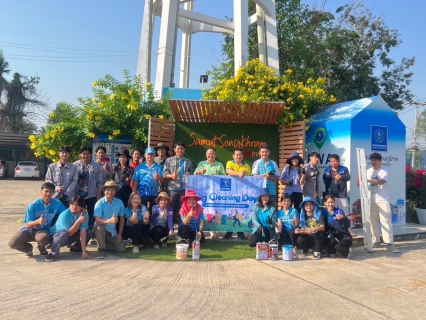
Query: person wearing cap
point(137, 226)
point(90, 180)
point(175, 170)
point(100, 158)
point(310, 179)
point(161, 220)
point(108, 211)
point(71, 227)
point(136, 160)
point(38, 219)
point(264, 218)
point(312, 228)
point(290, 177)
point(192, 217)
point(64, 175)
point(267, 169)
point(378, 192)
point(122, 175)
point(210, 166)
point(162, 151)
point(147, 178)
point(237, 168)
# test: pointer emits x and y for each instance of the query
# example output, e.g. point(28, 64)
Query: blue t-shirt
point(128, 212)
point(105, 210)
point(287, 219)
point(330, 217)
point(194, 224)
point(260, 167)
point(38, 208)
point(66, 220)
point(144, 175)
point(263, 216)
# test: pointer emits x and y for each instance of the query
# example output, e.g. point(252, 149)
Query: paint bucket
point(182, 249)
point(288, 253)
point(196, 250)
point(273, 250)
point(262, 251)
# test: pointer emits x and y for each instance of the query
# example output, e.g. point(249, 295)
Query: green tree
point(348, 47)
point(4, 65)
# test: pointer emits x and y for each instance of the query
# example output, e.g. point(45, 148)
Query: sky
point(70, 44)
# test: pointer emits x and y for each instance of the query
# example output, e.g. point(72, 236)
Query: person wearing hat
point(137, 226)
point(264, 217)
point(161, 220)
point(64, 175)
point(162, 151)
point(267, 169)
point(312, 228)
point(147, 179)
point(90, 180)
point(108, 211)
point(192, 217)
point(122, 175)
point(290, 177)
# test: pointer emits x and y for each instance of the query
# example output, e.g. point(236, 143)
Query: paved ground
point(381, 285)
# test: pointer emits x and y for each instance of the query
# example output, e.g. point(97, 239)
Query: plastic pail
point(288, 253)
point(182, 249)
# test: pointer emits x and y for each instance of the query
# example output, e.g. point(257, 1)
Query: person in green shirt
point(210, 166)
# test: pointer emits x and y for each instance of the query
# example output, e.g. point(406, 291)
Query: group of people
point(92, 199)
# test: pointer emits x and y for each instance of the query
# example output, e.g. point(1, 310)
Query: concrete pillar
point(272, 40)
point(260, 14)
point(144, 58)
point(240, 33)
point(185, 56)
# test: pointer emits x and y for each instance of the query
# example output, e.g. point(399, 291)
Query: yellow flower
point(98, 118)
point(47, 136)
point(147, 117)
point(37, 154)
point(95, 100)
point(148, 84)
point(32, 138)
point(52, 114)
point(307, 128)
point(94, 83)
point(40, 140)
point(130, 92)
point(289, 71)
point(161, 116)
point(33, 146)
point(91, 135)
point(61, 129)
point(301, 96)
point(112, 97)
point(332, 98)
point(100, 104)
point(52, 152)
point(110, 138)
point(116, 132)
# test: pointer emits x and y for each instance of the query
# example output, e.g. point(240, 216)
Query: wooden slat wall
point(291, 139)
point(161, 130)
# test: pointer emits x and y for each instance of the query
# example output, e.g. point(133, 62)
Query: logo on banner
point(379, 138)
point(319, 137)
point(225, 184)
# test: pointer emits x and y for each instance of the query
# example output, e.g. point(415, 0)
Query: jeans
point(90, 205)
point(176, 196)
point(20, 241)
point(61, 238)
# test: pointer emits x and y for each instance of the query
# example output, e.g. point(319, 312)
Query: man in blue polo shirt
point(38, 219)
point(65, 231)
point(109, 210)
point(147, 178)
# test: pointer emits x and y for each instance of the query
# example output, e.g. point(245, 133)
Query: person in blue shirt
point(192, 218)
point(288, 221)
point(312, 227)
point(291, 176)
point(107, 212)
point(264, 218)
point(65, 231)
point(38, 219)
point(137, 226)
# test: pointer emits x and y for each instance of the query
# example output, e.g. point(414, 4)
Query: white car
point(27, 169)
point(4, 169)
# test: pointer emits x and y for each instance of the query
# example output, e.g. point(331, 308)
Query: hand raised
point(113, 219)
point(41, 220)
point(82, 218)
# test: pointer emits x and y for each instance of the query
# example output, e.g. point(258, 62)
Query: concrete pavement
point(381, 285)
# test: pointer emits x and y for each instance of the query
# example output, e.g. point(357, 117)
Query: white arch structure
point(173, 17)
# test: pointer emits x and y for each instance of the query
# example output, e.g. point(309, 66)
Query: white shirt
point(378, 193)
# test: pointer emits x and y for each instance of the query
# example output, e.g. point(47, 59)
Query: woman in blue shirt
point(192, 218)
point(291, 176)
point(288, 221)
point(137, 226)
point(264, 217)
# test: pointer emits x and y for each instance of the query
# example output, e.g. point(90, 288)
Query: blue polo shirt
point(260, 167)
point(144, 175)
point(194, 224)
point(38, 208)
point(105, 210)
point(287, 219)
point(66, 220)
point(128, 212)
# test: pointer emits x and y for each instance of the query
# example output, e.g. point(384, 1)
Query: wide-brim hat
point(295, 155)
point(124, 152)
point(162, 195)
point(161, 145)
point(190, 194)
point(262, 192)
point(110, 184)
point(309, 199)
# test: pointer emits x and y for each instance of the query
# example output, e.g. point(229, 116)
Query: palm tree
point(4, 65)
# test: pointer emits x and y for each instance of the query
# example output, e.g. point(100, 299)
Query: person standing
point(377, 179)
point(64, 175)
point(175, 170)
point(38, 220)
point(267, 169)
point(162, 151)
point(100, 155)
point(147, 178)
point(90, 180)
point(122, 175)
point(210, 166)
point(237, 168)
point(137, 159)
point(291, 176)
point(309, 180)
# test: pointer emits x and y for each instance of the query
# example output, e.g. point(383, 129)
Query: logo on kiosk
point(225, 184)
point(319, 137)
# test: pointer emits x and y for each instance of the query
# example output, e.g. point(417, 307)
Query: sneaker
point(317, 256)
point(376, 244)
point(75, 249)
point(310, 252)
point(156, 246)
point(101, 253)
point(44, 252)
point(128, 241)
point(350, 251)
point(29, 254)
point(332, 255)
point(392, 248)
point(242, 236)
point(49, 258)
point(135, 249)
point(164, 244)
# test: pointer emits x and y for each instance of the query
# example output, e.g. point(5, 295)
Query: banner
point(227, 201)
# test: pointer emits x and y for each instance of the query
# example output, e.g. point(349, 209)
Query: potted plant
point(416, 192)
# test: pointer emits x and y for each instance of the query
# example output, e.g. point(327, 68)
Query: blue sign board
point(379, 138)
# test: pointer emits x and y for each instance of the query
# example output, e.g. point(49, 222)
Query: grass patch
point(211, 250)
